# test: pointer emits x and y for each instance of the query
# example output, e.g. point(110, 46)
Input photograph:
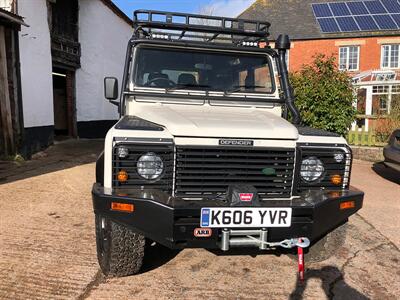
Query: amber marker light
point(347, 205)
point(336, 179)
point(122, 176)
point(125, 207)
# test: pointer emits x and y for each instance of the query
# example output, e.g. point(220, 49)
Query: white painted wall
point(104, 37)
point(6, 4)
point(36, 66)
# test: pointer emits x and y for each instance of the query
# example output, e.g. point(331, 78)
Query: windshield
point(195, 69)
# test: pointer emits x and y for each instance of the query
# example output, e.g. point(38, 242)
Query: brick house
point(364, 36)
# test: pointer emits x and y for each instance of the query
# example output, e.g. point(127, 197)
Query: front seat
point(155, 75)
point(158, 75)
point(187, 79)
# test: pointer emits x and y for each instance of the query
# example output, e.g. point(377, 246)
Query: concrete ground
point(47, 245)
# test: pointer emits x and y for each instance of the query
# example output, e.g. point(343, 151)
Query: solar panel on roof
point(396, 18)
point(391, 6)
point(367, 15)
point(385, 22)
point(366, 23)
point(339, 9)
point(375, 7)
point(328, 25)
point(347, 24)
point(321, 10)
point(357, 8)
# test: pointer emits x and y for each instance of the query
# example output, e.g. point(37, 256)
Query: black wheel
point(327, 246)
point(120, 251)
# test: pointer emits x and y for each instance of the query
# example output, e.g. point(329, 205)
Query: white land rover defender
point(210, 152)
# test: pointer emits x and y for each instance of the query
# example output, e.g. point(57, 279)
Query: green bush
point(324, 95)
point(385, 125)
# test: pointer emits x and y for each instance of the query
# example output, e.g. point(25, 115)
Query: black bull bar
point(172, 221)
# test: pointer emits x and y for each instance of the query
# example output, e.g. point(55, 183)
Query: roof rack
point(182, 26)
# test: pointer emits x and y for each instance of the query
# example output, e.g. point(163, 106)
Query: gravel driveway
point(47, 248)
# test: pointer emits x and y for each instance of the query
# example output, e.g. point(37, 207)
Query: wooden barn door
point(7, 145)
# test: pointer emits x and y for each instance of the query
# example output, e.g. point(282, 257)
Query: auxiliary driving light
point(339, 157)
point(123, 152)
point(160, 36)
point(251, 44)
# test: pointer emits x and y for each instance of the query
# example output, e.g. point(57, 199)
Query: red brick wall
point(370, 51)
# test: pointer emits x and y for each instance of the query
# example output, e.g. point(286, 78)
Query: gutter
point(12, 18)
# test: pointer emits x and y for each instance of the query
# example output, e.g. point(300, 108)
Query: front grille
point(207, 172)
point(128, 164)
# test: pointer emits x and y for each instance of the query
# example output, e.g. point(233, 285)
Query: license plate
point(245, 217)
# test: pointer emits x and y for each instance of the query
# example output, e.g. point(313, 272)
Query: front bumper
point(171, 221)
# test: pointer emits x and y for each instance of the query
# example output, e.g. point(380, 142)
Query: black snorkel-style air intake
point(282, 44)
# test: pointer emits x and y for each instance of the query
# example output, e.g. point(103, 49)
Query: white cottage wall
point(6, 4)
point(36, 65)
point(103, 37)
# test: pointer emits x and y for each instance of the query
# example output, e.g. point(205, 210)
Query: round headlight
point(311, 169)
point(150, 166)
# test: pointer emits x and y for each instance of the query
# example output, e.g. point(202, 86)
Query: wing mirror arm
point(114, 102)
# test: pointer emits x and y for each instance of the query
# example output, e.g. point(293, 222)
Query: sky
point(227, 8)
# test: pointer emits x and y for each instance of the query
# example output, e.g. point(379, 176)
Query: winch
point(259, 238)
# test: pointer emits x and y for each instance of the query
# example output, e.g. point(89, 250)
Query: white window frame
point(390, 56)
point(347, 63)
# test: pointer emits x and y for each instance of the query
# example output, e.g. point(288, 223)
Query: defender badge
point(236, 143)
point(202, 232)
point(246, 197)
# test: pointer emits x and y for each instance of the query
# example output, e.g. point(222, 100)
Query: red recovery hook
point(300, 260)
point(301, 244)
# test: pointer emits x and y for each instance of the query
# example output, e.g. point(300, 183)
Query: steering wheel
point(161, 82)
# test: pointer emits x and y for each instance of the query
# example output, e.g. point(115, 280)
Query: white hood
point(217, 121)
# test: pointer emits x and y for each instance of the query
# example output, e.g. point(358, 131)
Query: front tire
point(120, 251)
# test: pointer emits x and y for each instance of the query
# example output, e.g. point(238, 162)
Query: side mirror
point(111, 88)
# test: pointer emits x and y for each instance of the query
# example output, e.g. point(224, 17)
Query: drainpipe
point(282, 44)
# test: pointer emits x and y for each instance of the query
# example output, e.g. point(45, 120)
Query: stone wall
point(368, 153)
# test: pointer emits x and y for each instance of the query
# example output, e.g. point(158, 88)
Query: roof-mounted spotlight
point(160, 36)
point(250, 44)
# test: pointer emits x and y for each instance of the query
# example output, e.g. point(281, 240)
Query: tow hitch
point(258, 238)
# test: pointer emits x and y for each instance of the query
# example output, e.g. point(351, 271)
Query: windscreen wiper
point(238, 88)
point(185, 87)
